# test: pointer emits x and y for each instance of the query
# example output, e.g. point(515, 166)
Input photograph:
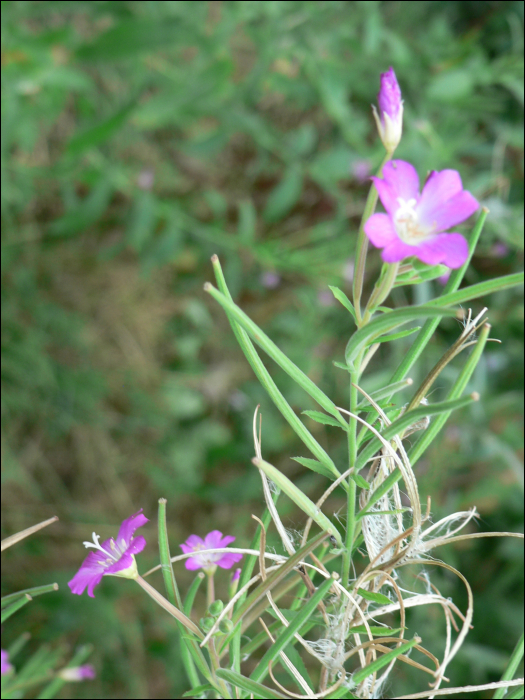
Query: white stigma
point(407, 223)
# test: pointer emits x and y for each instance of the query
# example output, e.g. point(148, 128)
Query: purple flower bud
point(78, 673)
point(236, 575)
point(390, 118)
point(111, 558)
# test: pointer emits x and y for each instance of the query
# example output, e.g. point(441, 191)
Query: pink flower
point(6, 666)
point(390, 118)
point(236, 575)
point(414, 223)
point(209, 561)
point(78, 673)
point(112, 558)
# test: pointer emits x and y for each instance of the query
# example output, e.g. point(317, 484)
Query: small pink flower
point(236, 575)
point(390, 118)
point(414, 224)
point(78, 673)
point(112, 558)
point(6, 666)
point(209, 561)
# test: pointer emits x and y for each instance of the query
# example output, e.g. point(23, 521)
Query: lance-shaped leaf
point(275, 353)
point(288, 633)
point(326, 464)
point(240, 681)
point(408, 419)
point(298, 497)
point(387, 322)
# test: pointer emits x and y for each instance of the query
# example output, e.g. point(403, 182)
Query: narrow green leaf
point(314, 465)
point(33, 592)
point(344, 300)
point(11, 609)
point(198, 690)
point(374, 597)
point(299, 498)
point(478, 290)
point(515, 693)
point(342, 365)
point(322, 418)
point(192, 592)
point(386, 391)
point(512, 666)
point(383, 660)
point(251, 686)
point(376, 631)
point(288, 633)
point(407, 419)
point(396, 336)
point(172, 591)
point(360, 481)
point(267, 382)
point(387, 322)
point(277, 355)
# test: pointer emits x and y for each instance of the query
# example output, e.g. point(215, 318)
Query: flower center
point(206, 559)
point(113, 555)
point(408, 226)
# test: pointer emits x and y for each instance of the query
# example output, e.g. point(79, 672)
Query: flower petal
point(137, 545)
point(193, 563)
point(129, 526)
point(441, 215)
point(449, 249)
point(398, 250)
point(213, 540)
point(380, 230)
point(228, 560)
point(400, 179)
point(192, 543)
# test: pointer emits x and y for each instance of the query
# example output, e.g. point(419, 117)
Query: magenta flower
point(415, 223)
point(236, 575)
point(112, 558)
point(390, 118)
point(6, 666)
point(78, 673)
point(209, 561)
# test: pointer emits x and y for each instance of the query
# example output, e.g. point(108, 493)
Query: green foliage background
point(137, 140)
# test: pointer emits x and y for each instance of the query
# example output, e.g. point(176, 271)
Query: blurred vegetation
point(137, 140)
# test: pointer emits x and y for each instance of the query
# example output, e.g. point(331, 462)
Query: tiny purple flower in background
point(6, 666)
point(112, 558)
point(270, 280)
point(499, 250)
point(78, 673)
point(414, 224)
point(209, 561)
point(390, 118)
point(236, 575)
point(360, 169)
point(145, 179)
point(325, 298)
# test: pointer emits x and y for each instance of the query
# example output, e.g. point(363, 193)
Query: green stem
point(210, 591)
point(382, 289)
point(362, 244)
